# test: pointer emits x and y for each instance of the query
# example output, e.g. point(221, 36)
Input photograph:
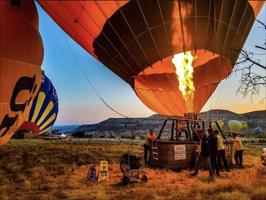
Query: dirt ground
point(39, 169)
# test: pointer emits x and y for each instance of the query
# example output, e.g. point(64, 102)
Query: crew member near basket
point(238, 147)
point(150, 137)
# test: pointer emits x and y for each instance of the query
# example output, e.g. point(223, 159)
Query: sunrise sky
point(78, 103)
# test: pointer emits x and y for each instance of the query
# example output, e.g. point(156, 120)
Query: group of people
point(212, 153)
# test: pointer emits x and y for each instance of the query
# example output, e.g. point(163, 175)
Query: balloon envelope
point(137, 40)
point(21, 53)
point(220, 123)
point(258, 130)
point(44, 109)
point(244, 124)
point(234, 126)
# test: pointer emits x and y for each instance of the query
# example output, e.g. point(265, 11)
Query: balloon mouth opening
point(29, 126)
point(158, 86)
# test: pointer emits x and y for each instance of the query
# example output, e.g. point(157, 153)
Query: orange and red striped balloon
point(21, 55)
point(137, 39)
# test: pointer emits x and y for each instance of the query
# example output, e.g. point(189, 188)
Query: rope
point(89, 82)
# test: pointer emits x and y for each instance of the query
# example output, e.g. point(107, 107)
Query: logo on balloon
point(44, 109)
point(24, 84)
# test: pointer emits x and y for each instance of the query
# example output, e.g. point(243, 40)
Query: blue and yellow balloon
point(44, 109)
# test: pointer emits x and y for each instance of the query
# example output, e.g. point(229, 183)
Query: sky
point(78, 103)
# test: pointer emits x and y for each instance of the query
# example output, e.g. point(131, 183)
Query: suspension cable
point(88, 80)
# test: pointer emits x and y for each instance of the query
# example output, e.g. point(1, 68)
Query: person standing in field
point(221, 152)
point(263, 156)
point(150, 137)
point(204, 156)
point(238, 147)
point(213, 151)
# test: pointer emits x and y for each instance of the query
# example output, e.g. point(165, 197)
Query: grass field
point(39, 169)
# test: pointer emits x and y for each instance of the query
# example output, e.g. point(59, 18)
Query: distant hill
point(65, 128)
point(254, 119)
point(138, 127)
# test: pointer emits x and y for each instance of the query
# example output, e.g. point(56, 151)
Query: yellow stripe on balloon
point(38, 106)
point(46, 112)
point(46, 130)
point(48, 121)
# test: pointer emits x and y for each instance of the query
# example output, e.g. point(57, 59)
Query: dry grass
point(37, 169)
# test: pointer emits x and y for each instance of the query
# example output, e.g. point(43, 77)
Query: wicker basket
point(173, 154)
point(179, 154)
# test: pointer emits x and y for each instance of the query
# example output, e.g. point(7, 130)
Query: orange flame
point(184, 71)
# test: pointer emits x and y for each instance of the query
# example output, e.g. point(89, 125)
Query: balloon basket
point(174, 155)
point(177, 147)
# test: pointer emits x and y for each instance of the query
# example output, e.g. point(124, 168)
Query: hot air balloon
point(258, 130)
point(21, 53)
point(172, 53)
point(234, 126)
point(244, 124)
point(44, 109)
point(220, 123)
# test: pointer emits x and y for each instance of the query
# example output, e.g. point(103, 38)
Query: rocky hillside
point(254, 119)
point(122, 127)
point(138, 127)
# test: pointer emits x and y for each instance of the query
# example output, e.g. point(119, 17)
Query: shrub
point(79, 134)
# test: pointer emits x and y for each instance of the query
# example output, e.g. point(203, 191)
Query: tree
point(253, 71)
point(79, 134)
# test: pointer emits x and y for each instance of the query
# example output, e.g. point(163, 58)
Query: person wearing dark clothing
point(213, 151)
point(239, 157)
point(146, 151)
point(205, 146)
point(204, 156)
point(195, 136)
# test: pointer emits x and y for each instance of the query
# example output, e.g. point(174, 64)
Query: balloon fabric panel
point(21, 55)
point(135, 37)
